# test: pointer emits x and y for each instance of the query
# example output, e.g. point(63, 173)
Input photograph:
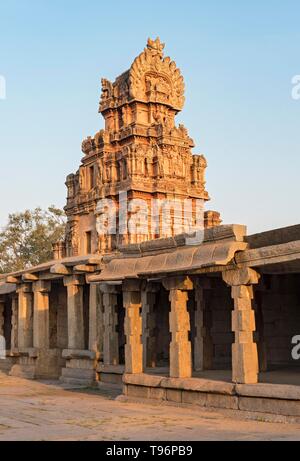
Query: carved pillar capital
point(132, 285)
point(41, 286)
point(73, 280)
point(178, 283)
point(242, 276)
point(24, 288)
point(110, 289)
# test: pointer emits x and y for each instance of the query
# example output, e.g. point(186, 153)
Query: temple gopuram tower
point(140, 152)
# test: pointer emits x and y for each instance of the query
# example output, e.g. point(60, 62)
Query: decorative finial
point(155, 46)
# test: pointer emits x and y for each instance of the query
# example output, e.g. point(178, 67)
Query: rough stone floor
point(48, 411)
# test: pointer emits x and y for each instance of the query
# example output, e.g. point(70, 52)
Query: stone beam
point(85, 268)
point(275, 254)
point(29, 277)
point(60, 269)
point(47, 276)
point(94, 261)
point(12, 279)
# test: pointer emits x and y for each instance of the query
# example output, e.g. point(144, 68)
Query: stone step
point(80, 373)
point(78, 376)
point(23, 371)
point(76, 382)
point(5, 367)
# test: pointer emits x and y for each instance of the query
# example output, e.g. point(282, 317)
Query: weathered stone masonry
point(203, 324)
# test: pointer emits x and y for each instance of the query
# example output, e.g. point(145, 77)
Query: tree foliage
point(27, 238)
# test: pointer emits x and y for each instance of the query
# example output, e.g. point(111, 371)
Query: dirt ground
point(48, 411)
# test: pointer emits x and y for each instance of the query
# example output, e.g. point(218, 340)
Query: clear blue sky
point(238, 59)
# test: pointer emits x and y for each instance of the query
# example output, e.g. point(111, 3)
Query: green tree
point(28, 237)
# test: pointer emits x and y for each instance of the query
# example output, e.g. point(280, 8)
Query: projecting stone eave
point(7, 288)
point(73, 265)
point(223, 248)
point(208, 257)
point(174, 255)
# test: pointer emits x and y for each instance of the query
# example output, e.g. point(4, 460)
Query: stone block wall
point(7, 322)
point(58, 317)
point(163, 334)
point(220, 304)
point(280, 303)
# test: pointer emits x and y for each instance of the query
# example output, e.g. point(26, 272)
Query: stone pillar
point(149, 339)
point(180, 347)
point(244, 349)
point(25, 317)
point(41, 330)
point(2, 308)
point(203, 344)
point(3, 345)
point(14, 323)
point(74, 286)
point(110, 338)
point(133, 327)
point(96, 329)
point(262, 347)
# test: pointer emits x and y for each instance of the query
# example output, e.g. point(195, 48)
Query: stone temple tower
point(140, 152)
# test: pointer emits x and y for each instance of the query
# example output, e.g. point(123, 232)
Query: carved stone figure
point(107, 89)
point(72, 238)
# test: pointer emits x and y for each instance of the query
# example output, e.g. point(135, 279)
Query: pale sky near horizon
point(237, 59)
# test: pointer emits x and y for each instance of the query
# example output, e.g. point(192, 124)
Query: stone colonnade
point(244, 349)
point(139, 300)
point(30, 323)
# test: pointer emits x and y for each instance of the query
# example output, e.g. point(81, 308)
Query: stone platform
point(268, 399)
point(80, 368)
point(110, 374)
point(32, 410)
